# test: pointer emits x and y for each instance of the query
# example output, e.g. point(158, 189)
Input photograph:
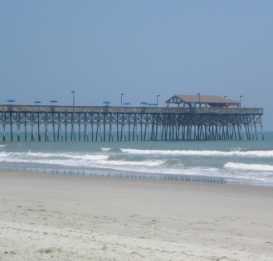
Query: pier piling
point(130, 123)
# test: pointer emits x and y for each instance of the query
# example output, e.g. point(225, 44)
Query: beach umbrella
point(10, 100)
point(106, 102)
point(37, 101)
point(149, 104)
point(53, 101)
point(126, 103)
point(144, 103)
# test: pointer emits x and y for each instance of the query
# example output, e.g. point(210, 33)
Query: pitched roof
point(202, 98)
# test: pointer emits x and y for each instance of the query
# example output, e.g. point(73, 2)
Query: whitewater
point(242, 162)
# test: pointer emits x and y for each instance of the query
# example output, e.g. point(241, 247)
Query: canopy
point(144, 103)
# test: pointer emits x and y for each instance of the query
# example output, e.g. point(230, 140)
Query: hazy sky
point(141, 48)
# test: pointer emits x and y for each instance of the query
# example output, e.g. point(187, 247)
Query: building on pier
point(202, 101)
point(110, 123)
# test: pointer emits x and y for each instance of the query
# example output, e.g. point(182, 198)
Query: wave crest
point(244, 166)
point(208, 153)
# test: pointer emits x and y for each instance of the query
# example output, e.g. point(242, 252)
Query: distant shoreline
point(117, 174)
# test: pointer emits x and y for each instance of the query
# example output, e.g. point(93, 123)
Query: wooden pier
point(109, 123)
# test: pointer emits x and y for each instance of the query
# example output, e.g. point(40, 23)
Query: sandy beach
point(58, 217)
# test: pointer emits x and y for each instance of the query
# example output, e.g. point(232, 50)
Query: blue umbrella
point(53, 101)
point(37, 102)
point(144, 103)
point(126, 103)
point(107, 102)
point(10, 100)
point(149, 104)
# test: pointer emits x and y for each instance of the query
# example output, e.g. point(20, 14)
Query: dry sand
point(50, 217)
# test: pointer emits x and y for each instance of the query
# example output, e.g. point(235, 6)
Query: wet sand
point(58, 217)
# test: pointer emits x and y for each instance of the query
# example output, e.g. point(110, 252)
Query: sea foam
point(256, 153)
point(253, 167)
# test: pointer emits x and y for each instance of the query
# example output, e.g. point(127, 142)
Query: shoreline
point(68, 217)
point(118, 174)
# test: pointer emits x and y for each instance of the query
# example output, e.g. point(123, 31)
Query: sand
point(58, 217)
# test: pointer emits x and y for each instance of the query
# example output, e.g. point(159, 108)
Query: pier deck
point(109, 123)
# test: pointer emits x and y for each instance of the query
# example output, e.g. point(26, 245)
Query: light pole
point(157, 96)
point(199, 99)
point(121, 95)
point(241, 96)
point(73, 99)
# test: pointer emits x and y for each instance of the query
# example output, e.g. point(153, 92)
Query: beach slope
point(58, 217)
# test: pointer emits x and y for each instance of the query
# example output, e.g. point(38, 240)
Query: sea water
point(240, 162)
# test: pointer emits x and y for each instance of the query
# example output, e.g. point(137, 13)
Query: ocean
point(236, 162)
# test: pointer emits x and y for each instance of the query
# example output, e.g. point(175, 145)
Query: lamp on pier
point(73, 92)
point(241, 96)
point(121, 95)
point(199, 99)
point(157, 96)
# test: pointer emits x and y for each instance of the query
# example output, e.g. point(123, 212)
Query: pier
point(113, 123)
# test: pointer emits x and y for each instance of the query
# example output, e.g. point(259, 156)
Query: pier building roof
point(202, 100)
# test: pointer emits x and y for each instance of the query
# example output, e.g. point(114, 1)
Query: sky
point(100, 49)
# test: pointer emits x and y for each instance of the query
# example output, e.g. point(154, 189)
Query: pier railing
point(138, 110)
